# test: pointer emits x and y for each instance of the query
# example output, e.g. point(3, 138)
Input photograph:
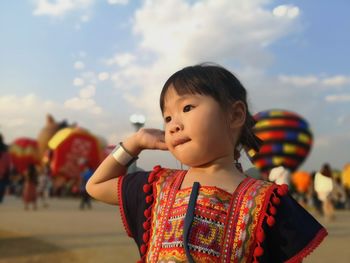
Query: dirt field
point(63, 233)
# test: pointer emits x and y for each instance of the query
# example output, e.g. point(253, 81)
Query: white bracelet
point(122, 156)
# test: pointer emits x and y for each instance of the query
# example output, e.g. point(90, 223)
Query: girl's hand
point(104, 181)
point(145, 139)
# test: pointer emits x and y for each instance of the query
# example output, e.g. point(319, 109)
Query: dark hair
point(3, 146)
point(32, 173)
point(219, 83)
point(326, 170)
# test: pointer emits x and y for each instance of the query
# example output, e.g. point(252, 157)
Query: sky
point(97, 62)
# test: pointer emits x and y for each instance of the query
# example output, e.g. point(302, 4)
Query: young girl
point(211, 212)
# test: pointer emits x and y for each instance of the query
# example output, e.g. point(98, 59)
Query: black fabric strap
point(189, 219)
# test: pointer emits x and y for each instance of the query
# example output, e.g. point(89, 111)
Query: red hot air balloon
point(70, 147)
point(23, 152)
point(287, 140)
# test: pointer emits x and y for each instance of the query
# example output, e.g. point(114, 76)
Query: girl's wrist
point(123, 156)
point(131, 145)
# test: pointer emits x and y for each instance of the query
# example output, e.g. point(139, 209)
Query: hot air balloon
point(24, 151)
point(346, 175)
point(70, 147)
point(287, 140)
point(302, 181)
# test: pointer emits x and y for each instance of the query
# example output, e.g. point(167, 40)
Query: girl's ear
point(237, 115)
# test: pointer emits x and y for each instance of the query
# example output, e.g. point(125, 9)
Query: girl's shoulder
point(291, 232)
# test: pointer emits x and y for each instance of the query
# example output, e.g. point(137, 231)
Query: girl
point(211, 212)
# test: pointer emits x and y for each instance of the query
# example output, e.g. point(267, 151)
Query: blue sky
point(97, 62)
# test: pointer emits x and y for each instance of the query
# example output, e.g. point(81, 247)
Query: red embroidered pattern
point(164, 191)
point(242, 223)
point(239, 229)
point(207, 228)
point(226, 228)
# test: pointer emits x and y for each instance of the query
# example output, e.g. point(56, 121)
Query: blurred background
point(78, 76)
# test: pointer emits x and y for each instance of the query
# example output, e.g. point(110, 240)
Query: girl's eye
point(167, 119)
point(187, 108)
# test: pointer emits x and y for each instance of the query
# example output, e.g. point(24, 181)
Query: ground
point(63, 233)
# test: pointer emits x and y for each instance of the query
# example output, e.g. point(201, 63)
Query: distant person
point(44, 182)
point(211, 212)
point(315, 201)
point(339, 195)
point(279, 175)
point(85, 197)
point(324, 186)
point(30, 187)
point(4, 168)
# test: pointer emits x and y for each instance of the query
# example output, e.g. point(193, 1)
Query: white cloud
point(122, 60)
point(338, 98)
point(28, 118)
point(83, 104)
point(338, 80)
point(79, 65)
point(299, 80)
point(89, 77)
point(312, 80)
point(85, 18)
point(103, 76)
point(18, 121)
point(117, 2)
point(87, 92)
point(236, 30)
point(82, 54)
point(59, 7)
point(288, 11)
point(78, 82)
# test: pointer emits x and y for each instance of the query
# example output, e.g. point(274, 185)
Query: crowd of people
point(35, 185)
point(322, 191)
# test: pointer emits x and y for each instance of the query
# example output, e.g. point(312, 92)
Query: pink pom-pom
point(260, 236)
point(282, 190)
point(143, 249)
point(147, 188)
point(151, 178)
point(271, 221)
point(276, 200)
point(273, 210)
point(147, 213)
point(258, 251)
point(149, 199)
point(145, 237)
point(146, 225)
point(157, 168)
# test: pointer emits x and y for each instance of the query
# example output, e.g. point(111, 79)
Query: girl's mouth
point(180, 141)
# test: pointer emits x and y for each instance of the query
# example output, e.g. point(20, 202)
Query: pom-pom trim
point(148, 189)
point(121, 207)
point(270, 208)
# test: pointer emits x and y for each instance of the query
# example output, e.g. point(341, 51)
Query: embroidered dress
point(257, 222)
point(207, 230)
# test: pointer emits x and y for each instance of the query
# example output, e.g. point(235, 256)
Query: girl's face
point(197, 131)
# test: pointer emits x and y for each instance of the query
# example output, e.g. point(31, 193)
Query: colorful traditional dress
point(257, 222)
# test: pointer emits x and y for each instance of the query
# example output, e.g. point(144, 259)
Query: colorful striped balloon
point(287, 140)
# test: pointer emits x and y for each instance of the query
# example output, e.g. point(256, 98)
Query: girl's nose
point(176, 126)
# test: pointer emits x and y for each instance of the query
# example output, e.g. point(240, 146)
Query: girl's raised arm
point(104, 182)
